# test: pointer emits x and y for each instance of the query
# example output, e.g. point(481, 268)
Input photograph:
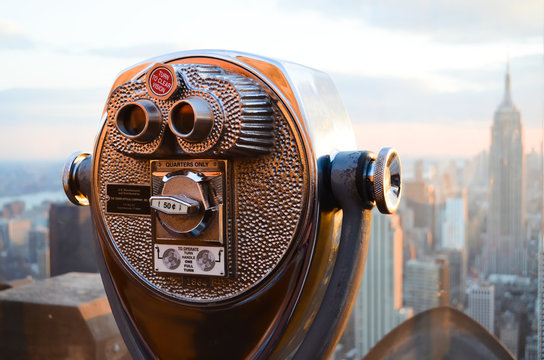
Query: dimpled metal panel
point(242, 111)
point(271, 197)
point(122, 95)
point(136, 90)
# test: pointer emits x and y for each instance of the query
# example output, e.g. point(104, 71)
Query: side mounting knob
point(76, 178)
point(387, 181)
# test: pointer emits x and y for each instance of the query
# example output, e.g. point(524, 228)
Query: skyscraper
point(505, 248)
point(453, 226)
point(419, 205)
point(531, 348)
point(378, 308)
point(38, 251)
point(481, 305)
point(509, 331)
point(71, 239)
point(420, 197)
point(380, 295)
point(540, 302)
point(457, 260)
point(427, 283)
point(454, 223)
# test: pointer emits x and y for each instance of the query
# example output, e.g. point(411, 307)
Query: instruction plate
point(190, 260)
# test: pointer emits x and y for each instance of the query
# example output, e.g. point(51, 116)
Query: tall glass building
point(506, 249)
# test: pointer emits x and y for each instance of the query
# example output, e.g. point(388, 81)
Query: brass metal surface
point(271, 190)
point(271, 120)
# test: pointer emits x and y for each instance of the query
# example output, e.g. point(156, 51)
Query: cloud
point(402, 112)
point(446, 20)
point(46, 140)
point(11, 36)
point(140, 51)
point(379, 99)
point(393, 62)
point(48, 123)
point(56, 107)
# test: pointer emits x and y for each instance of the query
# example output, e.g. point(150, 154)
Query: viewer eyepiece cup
point(191, 119)
point(139, 121)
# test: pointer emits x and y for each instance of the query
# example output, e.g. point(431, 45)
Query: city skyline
point(492, 277)
point(389, 233)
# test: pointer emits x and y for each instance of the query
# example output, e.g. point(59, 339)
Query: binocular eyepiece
point(231, 211)
point(139, 121)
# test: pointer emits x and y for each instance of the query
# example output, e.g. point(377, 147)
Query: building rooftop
point(72, 289)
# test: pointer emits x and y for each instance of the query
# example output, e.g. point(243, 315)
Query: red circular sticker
point(161, 81)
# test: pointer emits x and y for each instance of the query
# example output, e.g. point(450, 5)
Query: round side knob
point(387, 181)
point(76, 178)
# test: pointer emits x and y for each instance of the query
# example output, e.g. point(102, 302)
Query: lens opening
point(182, 118)
point(131, 120)
point(191, 119)
point(139, 121)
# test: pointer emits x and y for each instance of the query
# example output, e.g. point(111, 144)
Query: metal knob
point(76, 178)
point(384, 175)
point(186, 202)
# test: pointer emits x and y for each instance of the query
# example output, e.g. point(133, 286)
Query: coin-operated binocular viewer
point(231, 220)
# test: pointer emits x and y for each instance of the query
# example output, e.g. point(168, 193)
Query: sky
point(422, 76)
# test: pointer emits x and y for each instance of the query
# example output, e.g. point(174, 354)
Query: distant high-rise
point(505, 248)
point(540, 301)
point(13, 209)
point(481, 305)
point(378, 308)
point(4, 235)
point(457, 259)
point(71, 239)
point(420, 197)
point(38, 251)
point(531, 348)
point(454, 223)
point(427, 283)
point(509, 331)
point(419, 208)
point(18, 235)
point(453, 227)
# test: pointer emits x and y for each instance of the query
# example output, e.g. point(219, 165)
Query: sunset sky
point(422, 76)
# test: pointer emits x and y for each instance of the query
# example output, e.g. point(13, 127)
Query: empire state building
point(505, 250)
